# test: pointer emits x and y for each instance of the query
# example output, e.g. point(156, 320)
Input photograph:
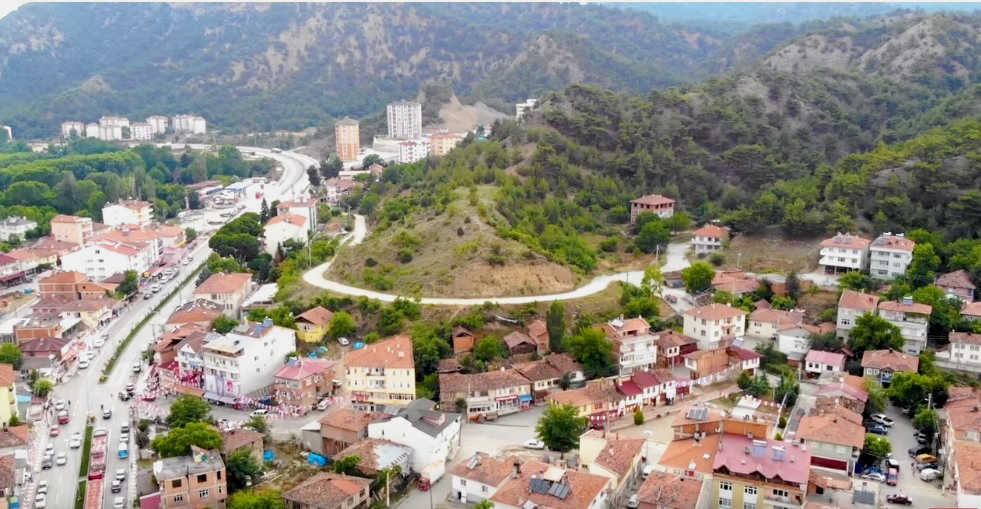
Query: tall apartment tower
point(405, 120)
point(347, 135)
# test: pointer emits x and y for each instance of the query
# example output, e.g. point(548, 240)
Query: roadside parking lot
point(924, 494)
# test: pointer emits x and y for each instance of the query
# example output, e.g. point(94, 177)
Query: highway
point(85, 392)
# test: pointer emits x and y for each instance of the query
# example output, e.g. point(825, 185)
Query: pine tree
point(264, 212)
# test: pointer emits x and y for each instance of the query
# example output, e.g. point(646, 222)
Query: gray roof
point(405, 103)
point(183, 466)
point(18, 221)
point(422, 416)
point(346, 121)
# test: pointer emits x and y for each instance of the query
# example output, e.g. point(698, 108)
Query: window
point(483, 489)
point(203, 493)
point(725, 502)
point(176, 483)
point(725, 486)
point(202, 477)
point(780, 493)
point(463, 482)
point(748, 505)
point(178, 498)
point(750, 490)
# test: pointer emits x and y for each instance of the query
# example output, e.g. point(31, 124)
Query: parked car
point(121, 474)
point(124, 428)
point(899, 498)
point(117, 486)
point(343, 341)
point(916, 451)
point(921, 437)
point(883, 419)
point(119, 503)
point(47, 462)
point(137, 367)
point(60, 404)
point(42, 486)
point(874, 476)
point(892, 478)
point(123, 396)
point(63, 417)
point(926, 458)
point(99, 342)
point(259, 413)
point(534, 443)
point(633, 502)
point(892, 463)
point(83, 364)
point(878, 429)
point(929, 474)
point(40, 501)
point(923, 466)
point(130, 389)
point(49, 449)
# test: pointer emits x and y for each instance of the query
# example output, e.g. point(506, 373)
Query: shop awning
point(228, 400)
point(526, 398)
point(11, 277)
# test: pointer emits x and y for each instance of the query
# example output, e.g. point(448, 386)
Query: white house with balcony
point(844, 252)
point(963, 352)
point(708, 239)
point(245, 360)
point(633, 344)
point(851, 306)
point(713, 323)
point(889, 255)
point(912, 318)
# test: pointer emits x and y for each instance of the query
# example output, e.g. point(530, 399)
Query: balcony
point(780, 502)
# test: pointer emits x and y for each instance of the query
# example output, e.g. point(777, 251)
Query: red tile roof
point(834, 359)
point(744, 354)
point(710, 230)
point(453, 383)
point(887, 241)
point(891, 359)
point(915, 307)
point(317, 316)
point(670, 339)
point(301, 369)
point(327, 490)
point(619, 452)
point(731, 456)
point(538, 371)
point(846, 240)
point(518, 338)
point(967, 457)
point(484, 469)
point(856, 300)
point(715, 312)
point(392, 353)
point(833, 429)
point(956, 279)
point(670, 491)
point(965, 337)
point(630, 389)
point(286, 217)
point(64, 277)
point(7, 375)
point(653, 199)
point(691, 454)
point(584, 488)
point(236, 438)
point(972, 309)
point(230, 282)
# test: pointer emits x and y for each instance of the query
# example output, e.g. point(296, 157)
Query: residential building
point(844, 252)
point(382, 373)
point(8, 130)
point(376, 455)
point(598, 400)
point(12, 269)
point(519, 343)
point(566, 364)
point(200, 312)
point(158, 123)
point(347, 138)
point(766, 323)
point(818, 362)
point(306, 207)
point(72, 229)
point(189, 124)
point(165, 349)
point(964, 351)
point(661, 206)
point(411, 151)
point(501, 392)
point(708, 239)
point(16, 225)
point(192, 482)
point(433, 435)
point(692, 458)
point(543, 376)
point(538, 331)
point(141, 131)
point(227, 289)
point(912, 318)
point(443, 142)
point(834, 438)
point(302, 382)
point(113, 121)
point(657, 387)
point(284, 227)
point(337, 188)
point(705, 363)
point(759, 472)
point(889, 255)
point(881, 365)
point(404, 120)
point(92, 130)
point(105, 258)
point(462, 339)
point(8, 395)
point(190, 360)
point(612, 456)
point(713, 323)
point(329, 490)
point(795, 342)
point(72, 129)
point(672, 345)
point(312, 324)
point(124, 212)
point(245, 360)
point(537, 484)
point(966, 473)
point(110, 132)
point(851, 306)
point(841, 389)
point(662, 490)
point(449, 365)
point(748, 360)
point(521, 108)
point(735, 282)
point(478, 477)
point(634, 347)
point(958, 284)
point(242, 439)
point(342, 427)
point(971, 311)
point(93, 313)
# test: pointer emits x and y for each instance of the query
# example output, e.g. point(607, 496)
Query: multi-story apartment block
point(189, 124)
point(158, 123)
point(245, 360)
point(634, 347)
point(834, 438)
point(105, 258)
point(302, 382)
point(124, 212)
point(110, 132)
point(708, 239)
point(282, 228)
point(8, 394)
point(912, 318)
point(227, 289)
point(113, 121)
point(433, 435)
point(964, 351)
point(411, 151)
point(714, 322)
point(92, 130)
point(15, 225)
point(443, 142)
point(72, 129)
point(844, 252)
point(889, 255)
point(404, 120)
point(501, 392)
point(851, 306)
point(382, 373)
point(306, 207)
point(347, 137)
point(192, 482)
point(521, 108)
point(141, 131)
point(756, 472)
point(661, 206)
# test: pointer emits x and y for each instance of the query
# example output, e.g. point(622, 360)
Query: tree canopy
point(178, 441)
point(560, 427)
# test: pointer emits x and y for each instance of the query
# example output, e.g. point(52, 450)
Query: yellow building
point(8, 394)
point(382, 373)
point(347, 135)
point(312, 324)
point(442, 143)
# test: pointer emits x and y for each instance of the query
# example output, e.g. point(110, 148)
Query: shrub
point(783, 422)
point(459, 231)
point(370, 262)
point(609, 245)
point(717, 259)
point(404, 255)
point(778, 437)
point(638, 417)
point(466, 220)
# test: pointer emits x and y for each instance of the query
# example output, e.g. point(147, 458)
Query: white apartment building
point(189, 124)
point(844, 252)
point(413, 150)
point(126, 212)
point(434, 436)
point(15, 225)
point(404, 120)
point(305, 207)
point(141, 131)
point(634, 347)
point(710, 324)
point(158, 123)
point(521, 108)
point(964, 351)
point(245, 360)
point(889, 255)
point(110, 132)
point(284, 227)
point(105, 258)
point(113, 121)
point(91, 130)
point(708, 239)
point(71, 125)
point(851, 306)
point(912, 318)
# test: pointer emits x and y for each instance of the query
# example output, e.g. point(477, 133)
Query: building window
point(748, 505)
point(780, 493)
point(463, 482)
point(725, 502)
point(202, 477)
point(750, 490)
point(178, 498)
point(483, 489)
point(725, 486)
point(176, 483)
point(203, 493)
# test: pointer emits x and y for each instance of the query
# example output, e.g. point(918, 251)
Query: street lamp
point(649, 434)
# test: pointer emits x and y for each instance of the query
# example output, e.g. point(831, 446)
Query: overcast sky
point(8, 6)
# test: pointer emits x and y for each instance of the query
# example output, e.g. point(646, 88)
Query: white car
point(76, 441)
point(633, 502)
point(99, 342)
point(40, 501)
point(534, 443)
point(60, 404)
point(187, 261)
point(874, 476)
point(120, 474)
point(929, 474)
point(137, 367)
point(42, 487)
point(124, 437)
point(82, 364)
point(259, 413)
point(119, 503)
point(62, 458)
point(882, 419)
point(49, 449)
point(343, 341)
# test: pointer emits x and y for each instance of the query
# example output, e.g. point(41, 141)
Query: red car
point(54, 431)
point(149, 397)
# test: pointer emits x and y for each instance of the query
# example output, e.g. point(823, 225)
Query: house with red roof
point(844, 252)
point(284, 227)
point(889, 255)
point(634, 347)
point(883, 364)
point(708, 239)
point(818, 362)
point(303, 382)
point(758, 472)
point(912, 318)
point(851, 306)
point(661, 206)
point(712, 323)
point(959, 284)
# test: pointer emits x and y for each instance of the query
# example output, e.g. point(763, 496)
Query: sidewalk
point(662, 411)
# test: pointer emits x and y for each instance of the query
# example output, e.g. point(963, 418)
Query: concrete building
point(72, 129)
point(192, 482)
point(110, 132)
point(714, 322)
point(889, 255)
point(16, 225)
point(844, 252)
point(478, 477)
point(306, 207)
point(615, 457)
point(818, 362)
point(338, 188)
point(663, 490)
point(113, 121)
point(634, 347)
point(771, 474)
point(284, 227)
point(158, 123)
point(521, 108)
point(433, 435)
point(768, 322)
point(963, 352)
point(851, 306)
point(537, 484)
point(834, 438)
point(881, 365)
point(347, 138)
point(442, 143)
point(913, 320)
point(105, 258)
point(8, 395)
point(72, 229)
point(227, 289)
point(91, 130)
point(141, 131)
point(303, 382)
point(245, 360)
point(404, 120)
point(411, 151)
point(661, 206)
point(499, 392)
point(382, 373)
point(189, 124)
point(958, 284)
point(312, 324)
point(124, 212)
point(708, 239)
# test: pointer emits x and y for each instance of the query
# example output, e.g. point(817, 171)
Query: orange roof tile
point(317, 315)
point(887, 241)
point(965, 337)
point(293, 219)
point(692, 454)
point(230, 282)
point(715, 312)
point(846, 240)
point(967, 457)
point(891, 359)
point(710, 230)
point(618, 453)
point(327, 489)
point(485, 469)
point(584, 488)
point(392, 353)
point(653, 199)
point(972, 309)
point(856, 300)
point(915, 307)
point(833, 429)
point(956, 279)
point(7, 375)
point(670, 491)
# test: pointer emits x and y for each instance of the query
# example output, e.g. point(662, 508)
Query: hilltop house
point(311, 325)
point(889, 255)
point(463, 339)
point(844, 252)
point(912, 318)
point(712, 323)
point(708, 239)
point(851, 306)
point(661, 206)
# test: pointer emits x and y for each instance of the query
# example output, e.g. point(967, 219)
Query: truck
point(93, 493)
point(430, 474)
point(97, 455)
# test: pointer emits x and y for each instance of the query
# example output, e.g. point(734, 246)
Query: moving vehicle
point(878, 429)
point(76, 441)
point(323, 404)
point(892, 478)
point(430, 474)
point(123, 450)
point(130, 389)
point(62, 458)
point(147, 295)
point(534, 443)
point(874, 476)
point(49, 449)
point(187, 261)
point(83, 364)
point(93, 493)
point(124, 396)
point(929, 474)
point(63, 417)
point(899, 498)
point(107, 414)
point(155, 287)
point(276, 150)
point(124, 428)
point(97, 454)
point(99, 342)
point(124, 437)
point(259, 413)
point(120, 474)
point(137, 367)
point(883, 419)
point(60, 404)
point(47, 463)
point(54, 431)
